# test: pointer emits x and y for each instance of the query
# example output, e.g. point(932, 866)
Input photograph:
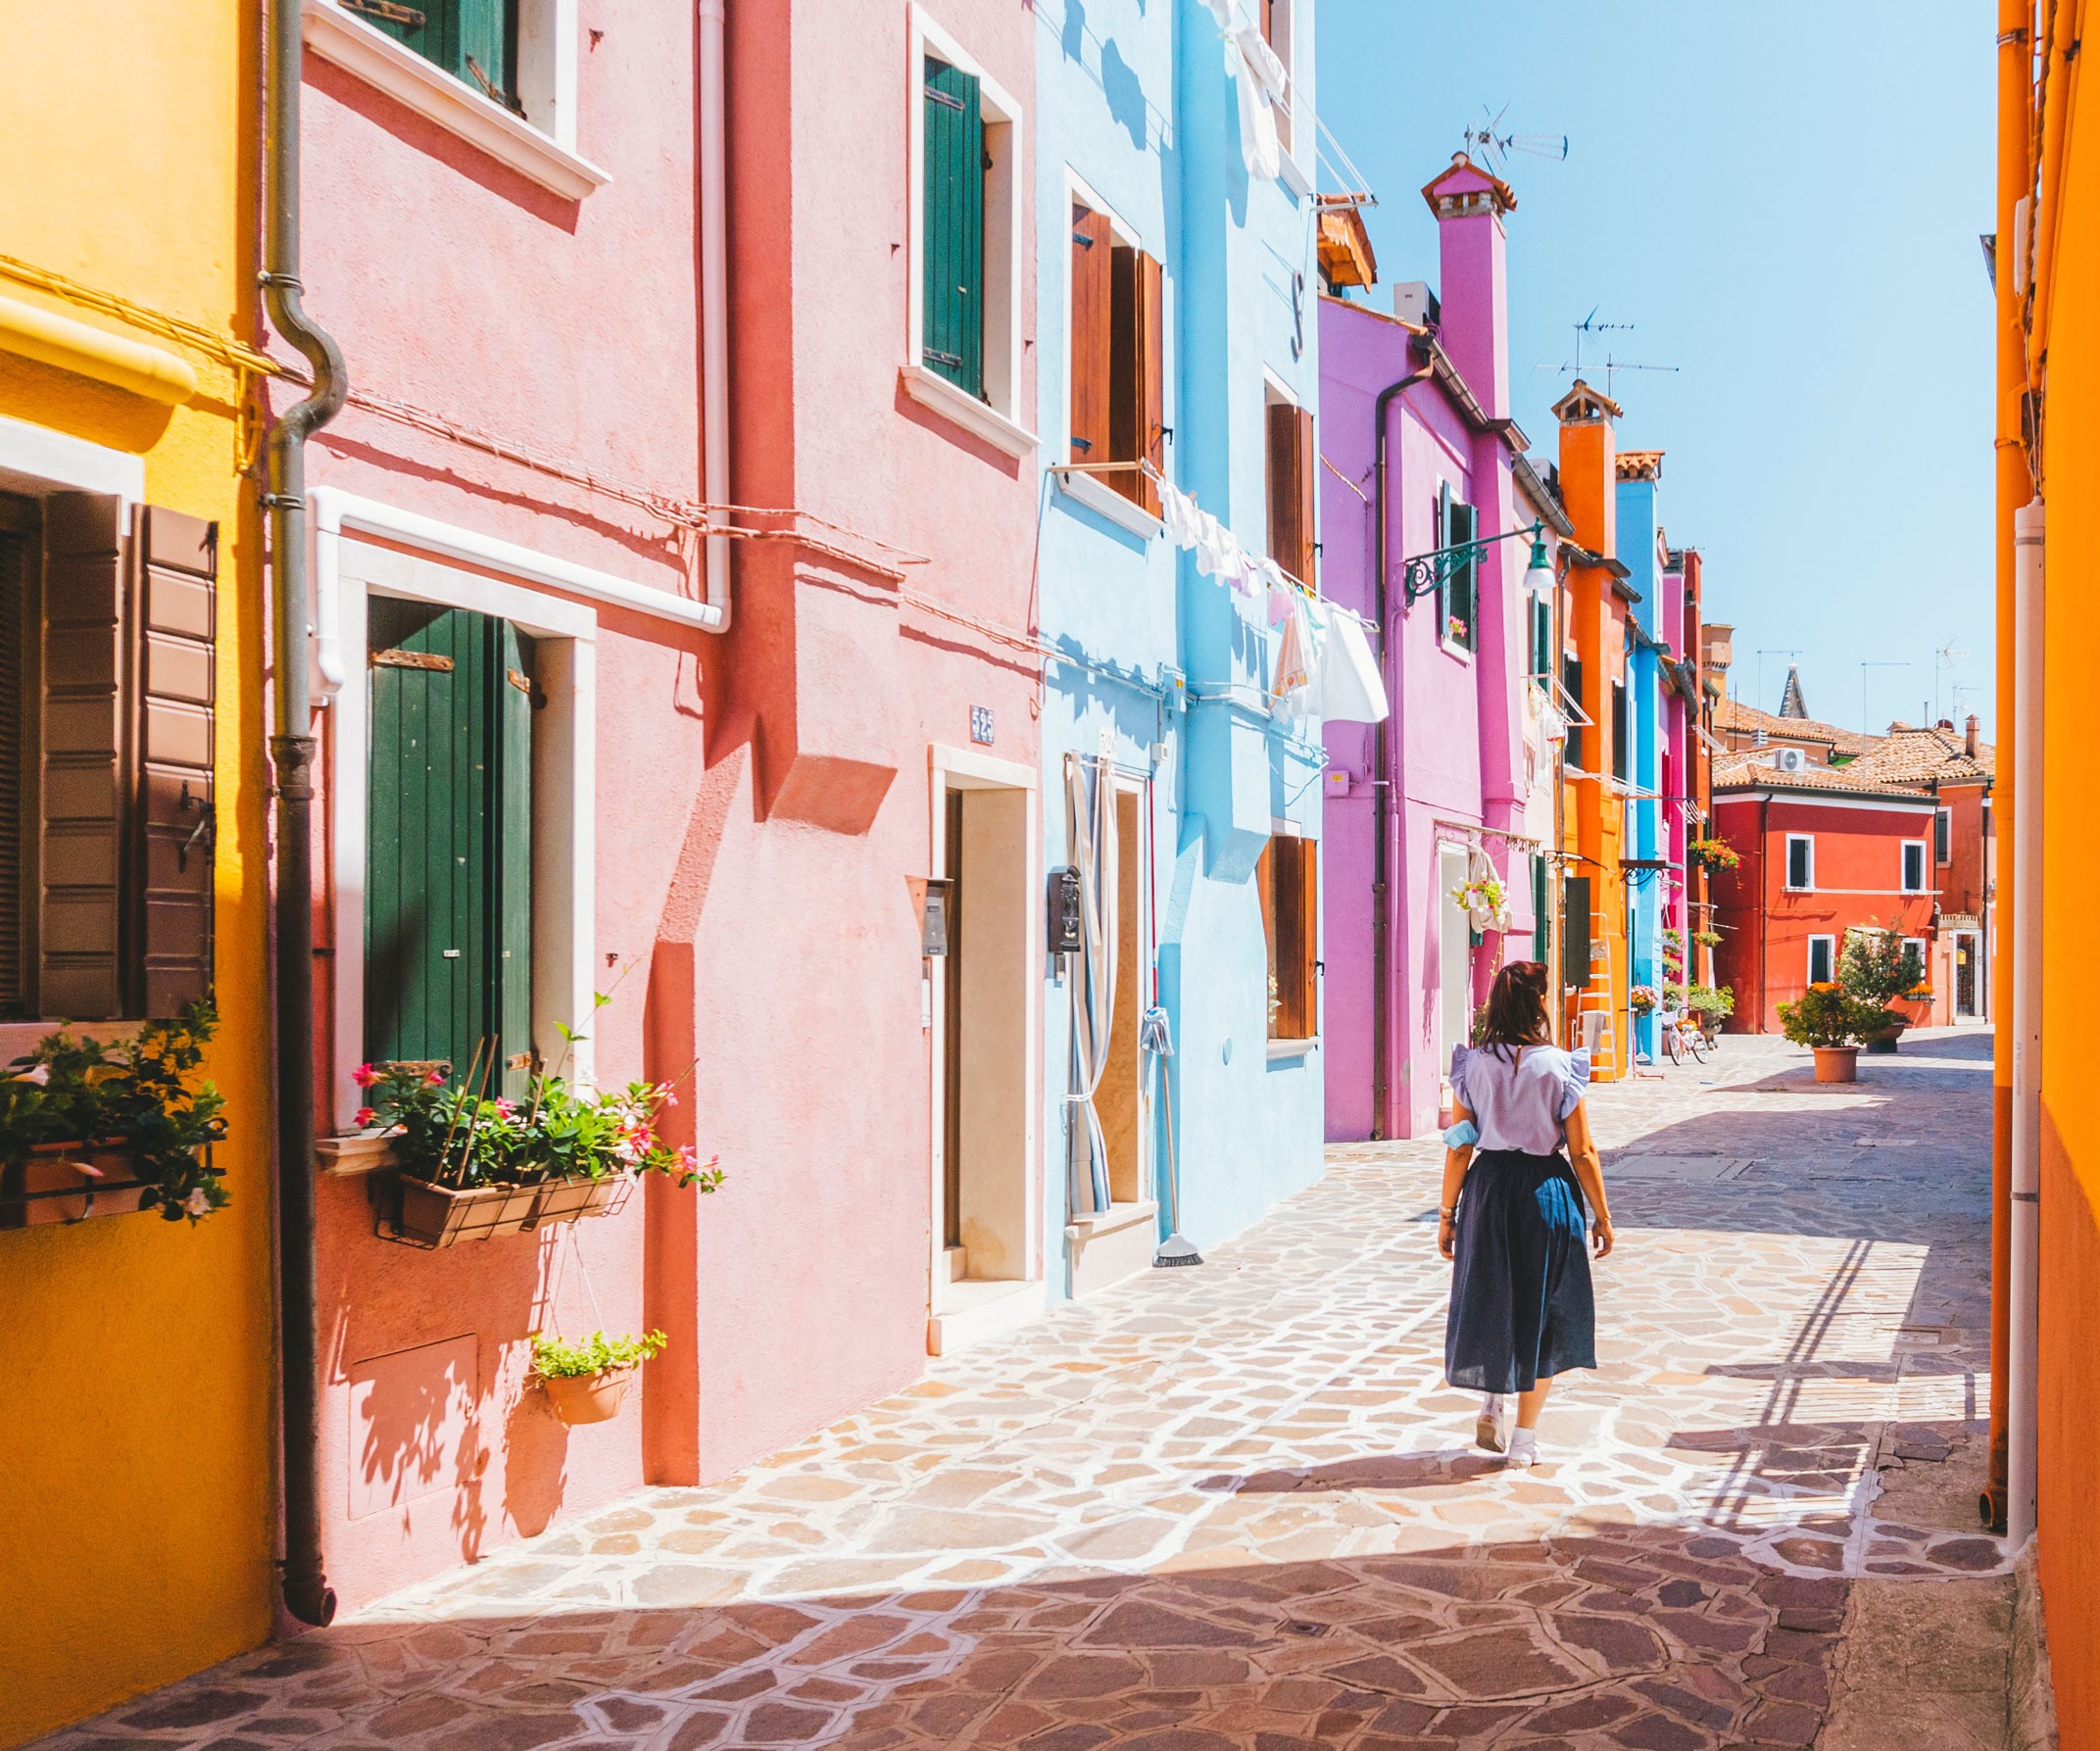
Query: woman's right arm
point(1590, 1172)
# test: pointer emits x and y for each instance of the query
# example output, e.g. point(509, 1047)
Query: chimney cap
point(1584, 406)
point(1640, 465)
point(1466, 189)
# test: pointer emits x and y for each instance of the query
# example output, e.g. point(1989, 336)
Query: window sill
point(19, 1039)
point(932, 390)
point(1104, 500)
point(1452, 648)
point(361, 1152)
point(1280, 1049)
point(434, 94)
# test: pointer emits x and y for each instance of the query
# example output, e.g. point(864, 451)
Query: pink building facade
point(742, 751)
point(1414, 416)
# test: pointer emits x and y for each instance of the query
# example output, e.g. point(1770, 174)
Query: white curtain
point(1089, 827)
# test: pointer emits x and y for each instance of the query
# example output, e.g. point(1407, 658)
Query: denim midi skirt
point(1522, 1307)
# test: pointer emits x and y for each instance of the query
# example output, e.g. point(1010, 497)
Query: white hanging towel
point(1262, 80)
point(1351, 690)
point(1294, 663)
point(1179, 516)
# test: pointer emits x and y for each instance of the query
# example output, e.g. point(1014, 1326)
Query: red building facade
point(1822, 852)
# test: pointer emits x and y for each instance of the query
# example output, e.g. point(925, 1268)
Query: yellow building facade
point(138, 1433)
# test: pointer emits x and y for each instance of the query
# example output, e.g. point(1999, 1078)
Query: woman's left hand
point(1447, 1237)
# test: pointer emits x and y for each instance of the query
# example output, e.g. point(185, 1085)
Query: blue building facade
point(1647, 836)
point(1177, 356)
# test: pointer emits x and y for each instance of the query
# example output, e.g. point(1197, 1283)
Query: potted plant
point(1711, 1005)
point(1713, 855)
point(1833, 1023)
point(472, 1167)
point(585, 1381)
point(1879, 967)
point(1483, 900)
point(1641, 999)
point(90, 1128)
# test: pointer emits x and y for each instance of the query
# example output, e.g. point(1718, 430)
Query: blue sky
point(1788, 212)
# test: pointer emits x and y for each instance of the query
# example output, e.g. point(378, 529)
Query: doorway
point(1108, 1246)
point(1455, 958)
point(983, 1039)
point(1968, 982)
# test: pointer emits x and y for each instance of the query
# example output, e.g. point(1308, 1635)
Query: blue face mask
point(1462, 1135)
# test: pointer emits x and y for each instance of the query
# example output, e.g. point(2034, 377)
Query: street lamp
point(1425, 573)
point(1538, 576)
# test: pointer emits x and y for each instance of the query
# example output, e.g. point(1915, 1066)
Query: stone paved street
point(1233, 1507)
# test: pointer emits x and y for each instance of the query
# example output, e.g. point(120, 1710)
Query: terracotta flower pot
point(1836, 1064)
point(588, 1397)
point(443, 1216)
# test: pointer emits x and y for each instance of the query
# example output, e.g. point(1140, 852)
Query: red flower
point(365, 1076)
point(363, 1117)
point(436, 1079)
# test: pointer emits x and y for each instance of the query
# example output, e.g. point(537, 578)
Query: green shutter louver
point(474, 40)
point(952, 340)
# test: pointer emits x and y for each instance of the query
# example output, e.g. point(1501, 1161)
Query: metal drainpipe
point(2029, 727)
point(307, 1594)
point(1382, 785)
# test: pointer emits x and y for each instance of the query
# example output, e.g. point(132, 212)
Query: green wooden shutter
point(448, 919)
point(453, 32)
point(511, 950)
point(18, 545)
point(1571, 681)
point(954, 236)
point(1575, 932)
point(1463, 526)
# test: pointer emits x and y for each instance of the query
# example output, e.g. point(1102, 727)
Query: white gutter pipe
point(714, 299)
point(2029, 678)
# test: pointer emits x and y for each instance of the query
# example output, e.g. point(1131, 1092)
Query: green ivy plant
point(140, 1097)
point(555, 1358)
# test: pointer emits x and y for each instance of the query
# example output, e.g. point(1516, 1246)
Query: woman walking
point(1512, 1214)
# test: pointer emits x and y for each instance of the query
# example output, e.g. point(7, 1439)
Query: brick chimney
point(1969, 735)
point(1473, 281)
point(1589, 466)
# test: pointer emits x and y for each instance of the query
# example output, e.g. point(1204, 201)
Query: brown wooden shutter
point(1291, 489)
point(1090, 340)
point(175, 696)
point(1137, 430)
point(83, 930)
point(1305, 867)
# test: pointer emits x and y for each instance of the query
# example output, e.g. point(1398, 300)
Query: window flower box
point(433, 1215)
point(70, 1182)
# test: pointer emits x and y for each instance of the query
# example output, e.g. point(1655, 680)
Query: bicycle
point(1680, 1034)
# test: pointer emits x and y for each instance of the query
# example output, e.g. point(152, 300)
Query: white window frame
point(1091, 490)
point(542, 150)
point(1923, 946)
point(1786, 871)
point(1830, 945)
point(564, 796)
point(1288, 133)
point(997, 420)
point(1923, 848)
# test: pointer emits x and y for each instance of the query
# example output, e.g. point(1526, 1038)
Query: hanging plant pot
point(588, 1397)
point(566, 1200)
point(56, 1184)
point(1836, 1064)
point(432, 1215)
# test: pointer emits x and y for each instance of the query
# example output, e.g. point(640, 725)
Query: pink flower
point(508, 1108)
point(436, 1079)
point(365, 1076)
point(363, 1117)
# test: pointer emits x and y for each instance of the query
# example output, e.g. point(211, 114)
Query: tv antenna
point(1586, 330)
point(1944, 659)
point(1485, 140)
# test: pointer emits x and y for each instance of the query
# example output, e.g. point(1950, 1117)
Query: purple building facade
point(1414, 419)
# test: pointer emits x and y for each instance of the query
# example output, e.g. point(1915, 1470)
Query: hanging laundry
point(1295, 658)
point(1179, 516)
point(1281, 595)
point(1262, 80)
point(1350, 690)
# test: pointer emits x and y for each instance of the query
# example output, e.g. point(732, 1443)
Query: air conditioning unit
point(1788, 760)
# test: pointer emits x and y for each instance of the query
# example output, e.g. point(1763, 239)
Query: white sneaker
point(1492, 1429)
point(1523, 1450)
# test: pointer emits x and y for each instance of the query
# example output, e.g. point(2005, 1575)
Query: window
point(965, 318)
point(1457, 523)
point(448, 892)
point(1919, 950)
point(1540, 659)
point(1822, 959)
point(1622, 751)
point(1914, 866)
point(474, 40)
point(1293, 458)
point(500, 75)
point(1800, 860)
point(1276, 32)
point(1289, 876)
point(1115, 360)
point(107, 685)
point(1571, 679)
point(1943, 836)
